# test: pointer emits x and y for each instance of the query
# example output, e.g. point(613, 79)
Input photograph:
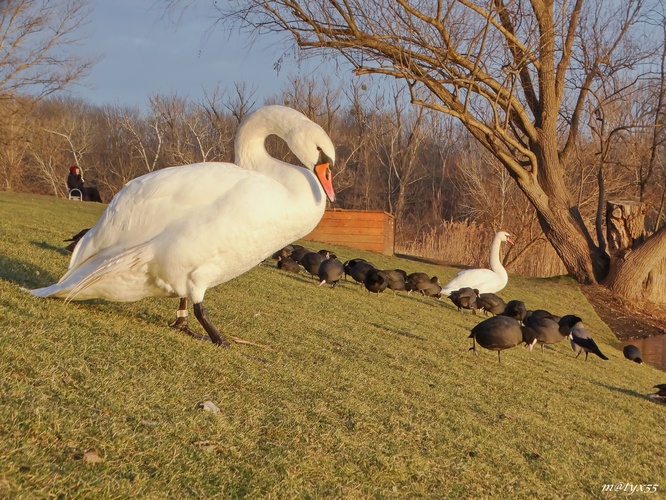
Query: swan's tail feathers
point(79, 283)
point(47, 291)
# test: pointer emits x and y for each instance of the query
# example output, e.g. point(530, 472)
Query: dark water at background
point(653, 350)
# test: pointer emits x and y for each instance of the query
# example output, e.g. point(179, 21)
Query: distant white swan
point(178, 231)
point(484, 280)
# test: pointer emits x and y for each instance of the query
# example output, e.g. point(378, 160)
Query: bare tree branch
point(34, 38)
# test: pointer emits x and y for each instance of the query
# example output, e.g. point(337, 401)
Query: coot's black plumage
point(397, 279)
point(351, 263)
point(298, 252)
point(633, 353)
point(515, 309)
point(414, 279)
point(283, 252)
point(75, 239)
point(490, 303)
point(311, 262)
point(465, 298)
point(375, 281)
point(660, 395)
point(543, 328)
point(358, 270)
point(288, 264)
point(331, 271)
point(498, 333)
point(430, 288)
point(327, 253)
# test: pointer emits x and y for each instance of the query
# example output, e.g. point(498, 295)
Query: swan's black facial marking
point(323, 158)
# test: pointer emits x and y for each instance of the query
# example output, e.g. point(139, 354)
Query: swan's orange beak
point(323, 172)
point(510, 241)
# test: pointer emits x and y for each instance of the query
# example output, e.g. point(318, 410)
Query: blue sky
point(144, 53)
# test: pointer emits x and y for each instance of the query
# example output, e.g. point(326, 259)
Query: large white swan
point(178, 231)
point(484, 280)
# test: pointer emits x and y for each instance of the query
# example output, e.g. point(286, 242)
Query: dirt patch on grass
point(626, 320)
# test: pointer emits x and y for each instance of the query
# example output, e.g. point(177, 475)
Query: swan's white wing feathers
point(484, 280)
point(149, 204)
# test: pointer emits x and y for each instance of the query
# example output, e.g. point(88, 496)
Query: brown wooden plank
point(355, 231)
point(340, 238)
point(355, 216)
point(352, 223)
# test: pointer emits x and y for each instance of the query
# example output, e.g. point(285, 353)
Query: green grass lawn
point(353, 396)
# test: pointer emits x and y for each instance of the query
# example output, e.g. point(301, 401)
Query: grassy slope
point(356, 396)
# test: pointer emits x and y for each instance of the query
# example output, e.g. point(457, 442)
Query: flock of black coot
point(327, 268)
point(513, 324)
point(510, 325)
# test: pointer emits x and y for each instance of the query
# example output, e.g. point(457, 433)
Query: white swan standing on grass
point(484, 280)
point(178, 231)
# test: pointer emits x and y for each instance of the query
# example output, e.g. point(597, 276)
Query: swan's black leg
point(202, 316)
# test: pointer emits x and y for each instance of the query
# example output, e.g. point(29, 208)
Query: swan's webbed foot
point(181, 325)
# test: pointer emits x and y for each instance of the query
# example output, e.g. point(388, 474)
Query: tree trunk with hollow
point(637, 262)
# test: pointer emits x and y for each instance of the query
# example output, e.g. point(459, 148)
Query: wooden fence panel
point(372, 230)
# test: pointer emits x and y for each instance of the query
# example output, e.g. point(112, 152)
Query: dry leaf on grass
point(90, 456)
point(207, 445)
point(208, 406)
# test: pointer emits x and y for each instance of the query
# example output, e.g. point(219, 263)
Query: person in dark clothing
point(75, 181)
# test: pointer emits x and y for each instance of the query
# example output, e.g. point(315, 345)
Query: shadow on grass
point(628, 392)
point(302, 277)
point(47, 246)
point(398, 332)
point(24, 274)
point(426, 260)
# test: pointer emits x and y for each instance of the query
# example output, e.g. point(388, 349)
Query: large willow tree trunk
point(566, 236)
point(557, 213)
point(637, 262)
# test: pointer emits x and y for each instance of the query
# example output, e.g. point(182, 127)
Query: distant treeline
point(412, 162)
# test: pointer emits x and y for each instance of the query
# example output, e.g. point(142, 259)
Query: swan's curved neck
point(495, 261)
point(251, 154)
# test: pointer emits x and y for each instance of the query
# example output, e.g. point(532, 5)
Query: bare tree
point(353, 162)
point(14, 141)
point(62, 134)
point(116, 147)
point(397, 138)
point(518, 76)
point(34, 36)
point(239, 104)
point(318, 100)
point(146, 137)
point(657, 131)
